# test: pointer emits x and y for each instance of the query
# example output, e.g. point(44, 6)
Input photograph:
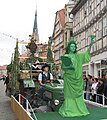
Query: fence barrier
point(101, 102)
point(21, 112)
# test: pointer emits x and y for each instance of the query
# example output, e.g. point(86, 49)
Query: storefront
point(103, 67)
point(96, 69)
point(85, 69)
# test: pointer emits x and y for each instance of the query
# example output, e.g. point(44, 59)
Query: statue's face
point(72, 48)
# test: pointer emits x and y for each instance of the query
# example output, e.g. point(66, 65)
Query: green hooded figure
point(74, 104)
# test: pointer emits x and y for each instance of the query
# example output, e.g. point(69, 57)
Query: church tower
point(35, 28)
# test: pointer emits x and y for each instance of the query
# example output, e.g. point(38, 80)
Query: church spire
point(35, 27)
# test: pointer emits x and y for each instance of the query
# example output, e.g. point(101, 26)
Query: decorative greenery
point(32, 45)
point(49, 53)
point(9, 67)
point(15, 69)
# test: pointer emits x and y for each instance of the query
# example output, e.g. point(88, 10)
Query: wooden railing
point(21, 113)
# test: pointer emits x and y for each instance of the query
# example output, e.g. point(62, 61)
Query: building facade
point(3, 70)
point(68, 32)
point(58, 35)
point(91, 16)
point(42, 50)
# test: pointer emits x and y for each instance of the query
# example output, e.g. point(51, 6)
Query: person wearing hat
point(44, 77)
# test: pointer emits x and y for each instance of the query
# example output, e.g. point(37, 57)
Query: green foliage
point(33, 59)
point(9, 67)
point(49, 53)
point(32, 46)
point(15, 69)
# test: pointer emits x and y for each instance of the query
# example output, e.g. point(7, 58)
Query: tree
point(15, 68)
point(9, 67)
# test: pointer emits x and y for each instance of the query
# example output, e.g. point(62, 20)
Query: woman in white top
point(94, 89)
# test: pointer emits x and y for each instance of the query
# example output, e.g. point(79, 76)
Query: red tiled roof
point(23, 57)
point(4, 67)
point(61, 16)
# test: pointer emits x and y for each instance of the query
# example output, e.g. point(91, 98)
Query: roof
point(4, 67)
point(61, 16)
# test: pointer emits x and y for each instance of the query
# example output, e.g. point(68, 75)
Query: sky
point(17, 20)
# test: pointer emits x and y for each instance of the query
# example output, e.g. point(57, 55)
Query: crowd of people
point(95, 88)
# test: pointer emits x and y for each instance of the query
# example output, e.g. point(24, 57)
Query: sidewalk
point(6, 112)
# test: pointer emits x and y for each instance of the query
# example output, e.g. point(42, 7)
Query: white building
point(89, 16)
point(68, 33)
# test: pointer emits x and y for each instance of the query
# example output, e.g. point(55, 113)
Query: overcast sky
point(17, 20)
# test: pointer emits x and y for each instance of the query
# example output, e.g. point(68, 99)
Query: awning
point(98, 61)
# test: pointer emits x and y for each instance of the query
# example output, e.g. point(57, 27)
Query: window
point(90, 6)
point(98, 2)
point(104, 26)
point(57, 28)
point(102, 5)
point(100, 44)
point(105, 2)
point(57, 41)
point(104, 41)
point(86, 38)
point(71, 34)
point(100, 29)
point(85, 10)
point(95, 46)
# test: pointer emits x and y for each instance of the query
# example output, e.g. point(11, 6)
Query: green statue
point(73, 81)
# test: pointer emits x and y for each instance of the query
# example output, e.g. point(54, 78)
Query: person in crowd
point(105, 88)
point(88, 90)
point(94, 89)
point(44, 77)
point(72, 63)
point(100, 90)
point(58, 73)
point(85, 86)
point(6, 82)
point(4, 77)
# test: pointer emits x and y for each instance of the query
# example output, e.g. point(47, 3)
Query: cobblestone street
point(6, 112)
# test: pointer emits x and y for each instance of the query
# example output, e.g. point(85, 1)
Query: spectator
point(4, 77)
point(100, 90)
point(105, 88)
point(85, 86)
point(6, 82)
point(94, 89)
point(59, 75)
point(89, 84)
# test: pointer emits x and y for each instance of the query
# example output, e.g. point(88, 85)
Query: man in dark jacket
point(105, 88)
point(6, 82)
point(100, 90)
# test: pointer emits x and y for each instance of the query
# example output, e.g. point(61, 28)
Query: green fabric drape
point(73, 87)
